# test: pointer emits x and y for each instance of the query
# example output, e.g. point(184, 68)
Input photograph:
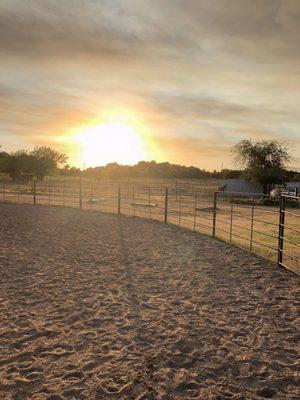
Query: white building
point(239, 185)
point(243, 186)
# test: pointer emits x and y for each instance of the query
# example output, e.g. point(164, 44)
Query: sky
point(190, 78)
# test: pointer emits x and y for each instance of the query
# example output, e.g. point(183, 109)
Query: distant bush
point(293, 203)
point(262, 201)
point(268, 201)
point(275, 202)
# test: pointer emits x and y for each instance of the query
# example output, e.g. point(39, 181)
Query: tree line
point(37, 163)
point(43, 161)
point(263, 162)
point(153, 169)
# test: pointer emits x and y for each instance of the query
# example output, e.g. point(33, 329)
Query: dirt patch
point(95, 306)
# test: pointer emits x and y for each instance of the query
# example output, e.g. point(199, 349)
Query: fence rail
point(268, 227)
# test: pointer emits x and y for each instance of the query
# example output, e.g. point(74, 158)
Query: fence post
point(180, 200)
point(80, 194)
point(92, 195)
point(133, 198)
point(119, 199)
point(281, 230)
point(215, 213)
point(252, 224)
point(166, 205)
point(63, 193)
point(195, 210)
point(231, 219)
point(49, 192)
point(34, 191)
point(3, 191)
point(149, 200)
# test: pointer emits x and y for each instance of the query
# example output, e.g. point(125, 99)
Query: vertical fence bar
point(119, 199)
point(49, 192)
point(252, 224)
point(195, 210)
point(91, 195)
point(149, 200)
point(80, 194)
point(133, 196)
point(215, 213)
point(3, 192)
point(34, 191)
point(179, 219)
point(63, 193)
point(166, 205)
point(281, 230)
point(231, 219)
point(49, 188)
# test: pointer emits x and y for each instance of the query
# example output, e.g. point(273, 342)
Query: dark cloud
point(264, 28)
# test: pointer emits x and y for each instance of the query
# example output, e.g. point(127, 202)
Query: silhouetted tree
point(264, 161)
point(20, 165)
point(67, 170)
point(47, 160)
point(3, 160)
point(230, 173)
point(37, 163)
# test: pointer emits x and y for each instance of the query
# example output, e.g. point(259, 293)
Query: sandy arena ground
point(100, 307)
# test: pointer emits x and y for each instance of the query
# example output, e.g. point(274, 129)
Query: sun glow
point(110, 142)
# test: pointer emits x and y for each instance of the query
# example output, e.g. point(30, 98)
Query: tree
point(67, 170)
point(230, 173)
point(265, 161)
point(47, 160)
point(3, 160)
point(25, 164)
point(20, 165)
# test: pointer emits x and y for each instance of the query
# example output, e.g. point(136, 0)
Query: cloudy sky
point(198, 75)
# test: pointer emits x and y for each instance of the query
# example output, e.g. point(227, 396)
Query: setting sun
point(110, 142)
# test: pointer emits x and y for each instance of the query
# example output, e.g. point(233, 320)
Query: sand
point(93, 306)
